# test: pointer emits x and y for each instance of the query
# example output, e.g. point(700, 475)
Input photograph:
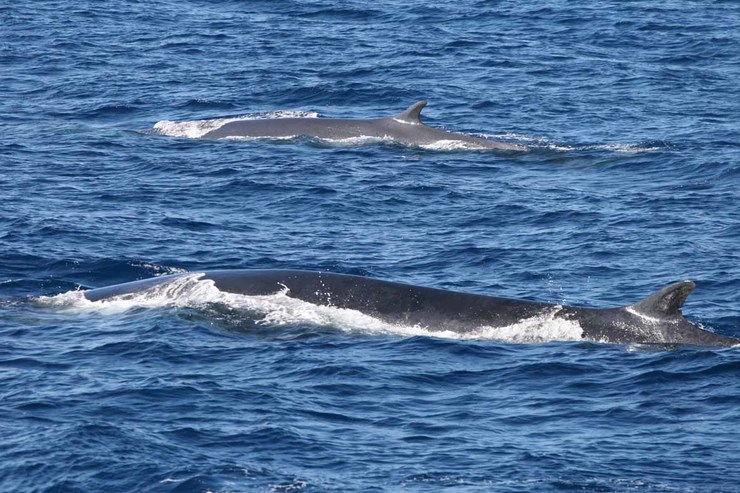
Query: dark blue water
point(629, 112)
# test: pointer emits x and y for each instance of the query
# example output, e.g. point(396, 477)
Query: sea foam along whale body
point(655, 319)
point(405, 128)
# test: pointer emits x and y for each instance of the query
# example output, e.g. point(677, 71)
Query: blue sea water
point(629, 112)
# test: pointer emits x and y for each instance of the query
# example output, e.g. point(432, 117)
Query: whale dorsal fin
point(412, 114)
point(665, 303)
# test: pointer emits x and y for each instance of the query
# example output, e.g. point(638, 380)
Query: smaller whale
point(656, 319)
point(404, 128)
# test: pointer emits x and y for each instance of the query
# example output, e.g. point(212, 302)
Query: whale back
point(655, 319)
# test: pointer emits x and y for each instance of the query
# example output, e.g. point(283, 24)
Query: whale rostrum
point(655, 319)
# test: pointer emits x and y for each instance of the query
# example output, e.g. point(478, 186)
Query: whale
point(656, 319)
point(404, 128)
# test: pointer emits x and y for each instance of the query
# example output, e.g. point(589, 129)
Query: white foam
point(361, 140)
point(198, 128)
point(547, 326)
point(452, 145)
point(538, 142)
point(279, 309)
point(440, 145)
point(182, 291)
point(623, 148)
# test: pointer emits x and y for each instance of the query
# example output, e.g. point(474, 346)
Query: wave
point(539, 142)
point(279, 309)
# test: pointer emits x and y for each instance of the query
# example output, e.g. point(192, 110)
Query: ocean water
point(629, 114)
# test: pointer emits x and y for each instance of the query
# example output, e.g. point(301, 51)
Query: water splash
point(195, 129)
point(546, 327)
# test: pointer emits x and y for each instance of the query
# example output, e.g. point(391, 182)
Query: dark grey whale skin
point(655, 319)
point(405, 128)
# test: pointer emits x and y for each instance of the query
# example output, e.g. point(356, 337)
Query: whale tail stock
point(412, 115)
point(666, 302)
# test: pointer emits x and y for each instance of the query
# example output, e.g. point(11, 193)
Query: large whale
point(405, 128)
point(655, 319)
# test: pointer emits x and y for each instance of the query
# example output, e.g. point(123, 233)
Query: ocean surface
point(629, 113)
